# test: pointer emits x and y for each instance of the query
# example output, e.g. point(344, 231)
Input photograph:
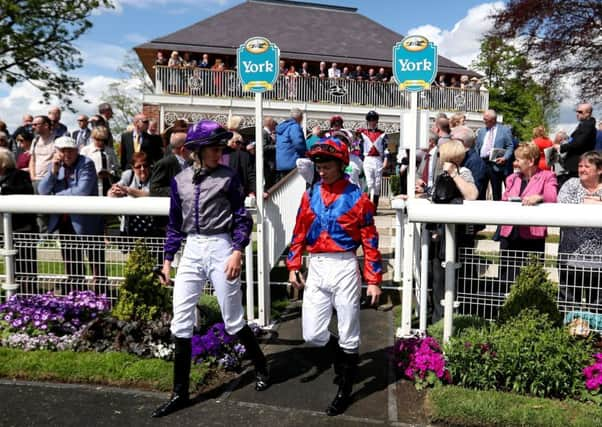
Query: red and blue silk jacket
point(337, 218)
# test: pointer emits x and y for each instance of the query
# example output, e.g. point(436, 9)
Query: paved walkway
point(298, 397)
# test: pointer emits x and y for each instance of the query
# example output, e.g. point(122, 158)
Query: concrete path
point(298, 397)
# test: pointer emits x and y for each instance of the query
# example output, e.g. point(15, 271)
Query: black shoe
point(262, 374)
point(175, 403)
point(262, 379)
point(340, 402)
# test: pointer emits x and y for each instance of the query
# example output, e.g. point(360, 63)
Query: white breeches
point(354, 170)
point(333, 280)
point(204, 259)
point(373, 169)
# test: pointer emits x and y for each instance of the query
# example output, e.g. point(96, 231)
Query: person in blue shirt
point(290, 143)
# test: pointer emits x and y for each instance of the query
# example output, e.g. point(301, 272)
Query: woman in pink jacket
point(531, 186)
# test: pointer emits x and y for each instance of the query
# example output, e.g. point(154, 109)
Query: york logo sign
point(414, 63)
point(257, 64)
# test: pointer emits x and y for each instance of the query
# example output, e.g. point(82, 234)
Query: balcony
point(225, 84)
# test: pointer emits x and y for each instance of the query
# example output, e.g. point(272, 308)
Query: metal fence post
point(9, 253)
point(450, 277)
point(424, 273)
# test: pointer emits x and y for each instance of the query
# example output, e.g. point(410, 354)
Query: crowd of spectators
point(181, 74)
point(42, 157)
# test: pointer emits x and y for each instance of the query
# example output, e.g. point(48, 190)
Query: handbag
point(445, 190)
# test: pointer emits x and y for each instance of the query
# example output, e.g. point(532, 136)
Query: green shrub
point(526, 355)
point(532, 290)
point(394, 184)
point(461, 323)
point(141, 296)
point(211, 313)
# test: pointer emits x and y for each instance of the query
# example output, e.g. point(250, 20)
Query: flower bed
point(48, 321)
point(421, 360)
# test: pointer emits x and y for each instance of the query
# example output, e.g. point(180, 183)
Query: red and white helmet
point(328, 149)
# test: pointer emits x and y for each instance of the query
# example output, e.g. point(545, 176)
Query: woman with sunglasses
point(335, 218)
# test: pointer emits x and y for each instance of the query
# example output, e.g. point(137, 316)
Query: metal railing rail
point(281, 214)
point(213, 83)
point(476, 212)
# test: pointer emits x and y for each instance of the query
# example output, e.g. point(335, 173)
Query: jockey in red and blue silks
point(334, 219)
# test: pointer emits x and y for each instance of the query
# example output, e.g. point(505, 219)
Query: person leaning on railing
point(580, 249)
point(71, 174)
point(16, 181)
point(529, 186)
point(451, 156)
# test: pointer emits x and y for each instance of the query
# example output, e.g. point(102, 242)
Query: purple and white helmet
point(206, 133)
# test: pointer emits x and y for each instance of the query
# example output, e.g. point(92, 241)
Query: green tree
point(125, 95)
point(562, 38)
point(36, 44)
point(523, 102)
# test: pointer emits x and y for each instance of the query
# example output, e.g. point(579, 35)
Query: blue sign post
point(414, 63)
point(257, 64)
point(414, 69)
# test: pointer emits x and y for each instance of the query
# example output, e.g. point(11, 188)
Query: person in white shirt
point(104, 158)
point(334, 72)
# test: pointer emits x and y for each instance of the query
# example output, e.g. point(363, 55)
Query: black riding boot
point(181, 379)
point(346, 365)
point(253, 352)
point(375, 201)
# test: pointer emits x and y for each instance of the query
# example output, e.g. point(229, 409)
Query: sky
point(456, 27)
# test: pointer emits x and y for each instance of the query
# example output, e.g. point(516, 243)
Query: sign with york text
point(257, 62)
point(414, 63)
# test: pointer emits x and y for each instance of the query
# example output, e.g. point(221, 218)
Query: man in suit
point(583, 139)
point(169, 166)
point(269, 152)
point(82, 135)
point(71, 174)
point(491, 139)
point(240, 162)
point(58, 128)
point(140, 140)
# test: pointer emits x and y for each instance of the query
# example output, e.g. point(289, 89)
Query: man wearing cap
point(290, 142)
point(374, 147)
point(334, 219)
point(71, 174)
point(207, 208)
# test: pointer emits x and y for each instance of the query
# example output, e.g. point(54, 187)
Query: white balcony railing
point(210, 83)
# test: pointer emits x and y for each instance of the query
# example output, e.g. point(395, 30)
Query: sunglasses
point(138, 167)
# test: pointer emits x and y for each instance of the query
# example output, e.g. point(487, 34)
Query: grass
point(457, 406)
point(110, 368)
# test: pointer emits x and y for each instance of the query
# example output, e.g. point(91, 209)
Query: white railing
point(212, 83)
point(21, 250)
point(482, 212)
point(281, 214)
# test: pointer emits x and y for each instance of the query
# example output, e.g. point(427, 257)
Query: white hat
point(65, 142)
